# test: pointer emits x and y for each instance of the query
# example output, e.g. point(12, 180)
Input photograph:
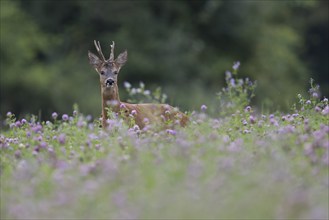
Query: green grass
point(240, 165)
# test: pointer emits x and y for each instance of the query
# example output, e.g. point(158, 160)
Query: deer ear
point(122, 58)
point(93, 59)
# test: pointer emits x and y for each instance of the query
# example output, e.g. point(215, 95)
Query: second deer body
point(108, 69)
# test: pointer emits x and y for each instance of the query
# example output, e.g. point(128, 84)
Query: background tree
point(184, 46)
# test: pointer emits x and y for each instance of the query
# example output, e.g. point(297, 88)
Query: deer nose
point(109, 82)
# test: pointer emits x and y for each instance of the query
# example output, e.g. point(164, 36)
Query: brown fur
point(160, 115)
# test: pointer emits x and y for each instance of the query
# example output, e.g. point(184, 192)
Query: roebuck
point(108, 69)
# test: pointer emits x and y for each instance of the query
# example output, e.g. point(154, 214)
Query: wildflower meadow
point(233, 162)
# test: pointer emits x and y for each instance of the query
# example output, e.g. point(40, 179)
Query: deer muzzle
point(109, 82)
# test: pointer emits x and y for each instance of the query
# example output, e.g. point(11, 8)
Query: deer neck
point(111, 100)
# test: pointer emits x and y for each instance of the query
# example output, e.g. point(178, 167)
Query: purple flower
point(235, 146)
point(236, 65)
point(325, 111)
point(203, 108)
point(18, 124)
point(119, 199)
point(89, 118)
point(18, 154)
point(295, 115)
point(246, 131)
point(37, 128)
point(146, 120)
point(23, 121)
point(54, 115)
point(65, 117)
point(9, 114)
point(247, 109)
point(62, 138)
point(134, 112)
point(122, 105)
point(317, 109)
point(81, 124)
point(38, 138)
point(252, 119)
point(286, 129)
point(232, 82)
point(43, 145)
point(136, 128)
point(171, 132)
point(274, 122)
point(228, 74)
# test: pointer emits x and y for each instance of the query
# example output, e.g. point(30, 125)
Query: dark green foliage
point(182, 46)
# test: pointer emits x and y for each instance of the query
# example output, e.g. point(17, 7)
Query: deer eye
point(115, 72)
point(102, 72)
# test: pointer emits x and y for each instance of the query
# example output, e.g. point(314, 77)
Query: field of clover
point(239, 163)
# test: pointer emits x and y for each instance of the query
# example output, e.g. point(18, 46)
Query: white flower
point(127, 85)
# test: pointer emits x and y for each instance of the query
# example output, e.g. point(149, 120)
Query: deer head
point(107, 69)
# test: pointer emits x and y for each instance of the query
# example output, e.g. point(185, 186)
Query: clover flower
point(122, 105)
point(37, 128)
point(252, 119)
point(203, 108)
point(171, 132)
point(65, 117)
point(247, 109)
point(236, 65)
point(325, 111)
point(54, 115)
point(146, 120)
point(61, 138)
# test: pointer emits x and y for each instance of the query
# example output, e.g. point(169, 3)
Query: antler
point(111, 59)
point(99, 50)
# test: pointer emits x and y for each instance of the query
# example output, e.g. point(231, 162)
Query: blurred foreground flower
point(203, 108)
